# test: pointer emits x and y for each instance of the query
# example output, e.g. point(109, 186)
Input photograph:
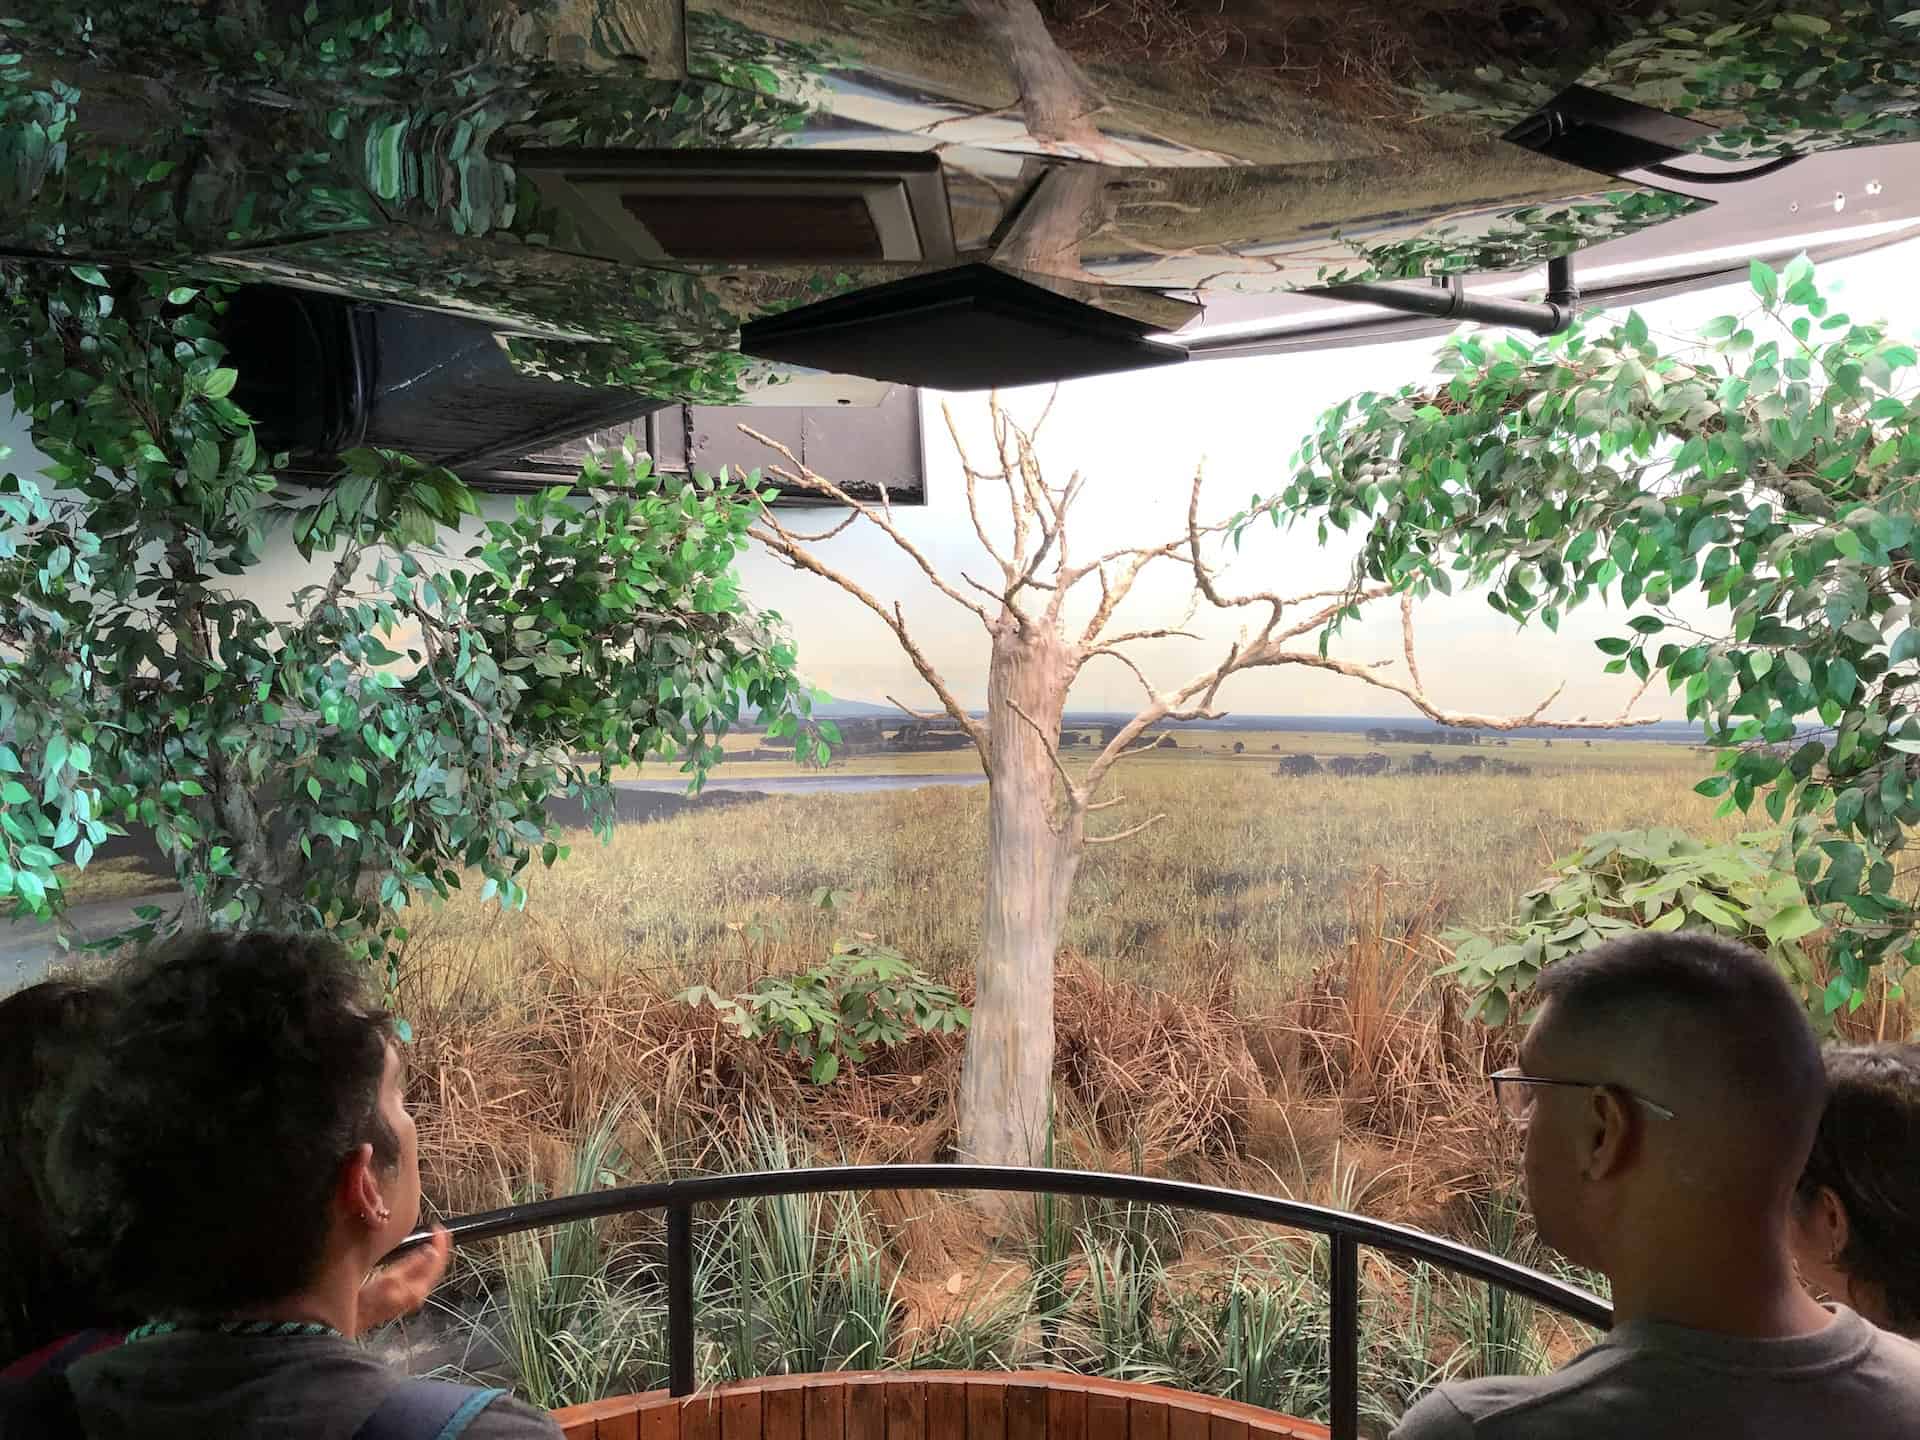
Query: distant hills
point(1674, 731)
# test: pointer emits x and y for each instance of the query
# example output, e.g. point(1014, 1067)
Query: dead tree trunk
point(1034, 840)
point(1056, 97)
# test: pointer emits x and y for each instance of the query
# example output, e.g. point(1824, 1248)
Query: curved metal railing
point(1346, 1234)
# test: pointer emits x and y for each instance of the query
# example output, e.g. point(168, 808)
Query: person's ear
point(358, 1193)
point(1830, 1223)
point(1608, 1139)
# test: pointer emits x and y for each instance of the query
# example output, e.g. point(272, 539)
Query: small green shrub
point(1627, 880)
point(867, 997)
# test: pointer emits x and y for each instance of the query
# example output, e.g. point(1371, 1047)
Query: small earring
point(380, 1216)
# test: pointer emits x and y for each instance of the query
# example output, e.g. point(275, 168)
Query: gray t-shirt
point(203, 1385)
point(1649, 1381)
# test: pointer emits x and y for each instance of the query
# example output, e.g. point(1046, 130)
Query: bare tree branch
point(807, 479)
point(1051, 743)
point(852, 516)
point(1126, 834)
point(916, 714)
point(1126, 660)
point(775, 537)
point(973, 476)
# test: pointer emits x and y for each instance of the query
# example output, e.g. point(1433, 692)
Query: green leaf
point(1801, 24)
point(1842, 680)
point(91, 275)
point(220, 384)
point(1792, 923)
point(12, 792)
point(1766, 283)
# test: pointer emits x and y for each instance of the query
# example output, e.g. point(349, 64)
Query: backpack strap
point(39, 1407)
point(61, 1353)
point(426, 1410)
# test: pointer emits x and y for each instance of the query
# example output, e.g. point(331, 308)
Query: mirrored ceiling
point(617, 186)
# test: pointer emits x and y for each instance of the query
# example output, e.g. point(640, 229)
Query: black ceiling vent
point(321, 374)
point(964, 329)
point(1597, 131)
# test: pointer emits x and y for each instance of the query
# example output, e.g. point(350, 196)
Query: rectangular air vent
point(720, 207)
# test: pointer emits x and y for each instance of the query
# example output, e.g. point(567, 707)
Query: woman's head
point(42, 1030)
point(1857, 1213)
point(237, 1127)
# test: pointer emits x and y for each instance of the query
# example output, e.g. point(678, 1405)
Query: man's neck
point(1725, 1280)
point(332, 1299)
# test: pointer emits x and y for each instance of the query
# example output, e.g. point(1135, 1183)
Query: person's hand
point(402, 1286)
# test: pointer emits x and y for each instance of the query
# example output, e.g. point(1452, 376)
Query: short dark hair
point(43, 1295)
point(195, 1156)
point(1867, 1152)
point(1727, 991)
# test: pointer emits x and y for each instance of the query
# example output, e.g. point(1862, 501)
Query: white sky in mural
point(1137, 438)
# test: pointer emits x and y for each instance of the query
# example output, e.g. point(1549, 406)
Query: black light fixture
point(969, 328)
point(1597, 131)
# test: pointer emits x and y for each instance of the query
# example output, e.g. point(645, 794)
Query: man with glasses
point(1670, 1086)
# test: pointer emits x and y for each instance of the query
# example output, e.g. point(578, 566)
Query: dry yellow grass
point(1244, 989)
point(1248, 871)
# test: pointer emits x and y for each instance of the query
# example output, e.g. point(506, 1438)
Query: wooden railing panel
point(786, 1414)
point(906, 1409)
point(826, 1410)
point(986, 1409)
point(930, 1405)
point(1026, 1412)
point(867, 1408)
point(1146, 1419)
point(1066, 1413)
point(946, 1410)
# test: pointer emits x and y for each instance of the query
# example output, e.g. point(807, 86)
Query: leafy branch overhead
point(1762, 475)
point(325, 762)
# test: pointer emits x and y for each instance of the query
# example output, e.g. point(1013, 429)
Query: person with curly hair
point(1856, 1214)
point(232, 1159)
point(48, 1310)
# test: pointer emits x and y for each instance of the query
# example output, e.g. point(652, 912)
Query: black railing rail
point(1347, 1234)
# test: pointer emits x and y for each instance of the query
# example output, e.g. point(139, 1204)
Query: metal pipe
point(1343, 1339)
point(680, 1372)
point(1453, 303)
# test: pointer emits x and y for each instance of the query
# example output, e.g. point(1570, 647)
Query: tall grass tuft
point(803, 1280)
point(569, 1330)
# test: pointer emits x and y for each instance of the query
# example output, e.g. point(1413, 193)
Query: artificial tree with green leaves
point(323, 759)
point(1763, 474)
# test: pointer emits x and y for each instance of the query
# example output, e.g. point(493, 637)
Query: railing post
point(680, 1377)
point(1343, 1341)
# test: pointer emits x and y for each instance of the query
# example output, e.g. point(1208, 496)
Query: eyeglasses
point(1514, 1090)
